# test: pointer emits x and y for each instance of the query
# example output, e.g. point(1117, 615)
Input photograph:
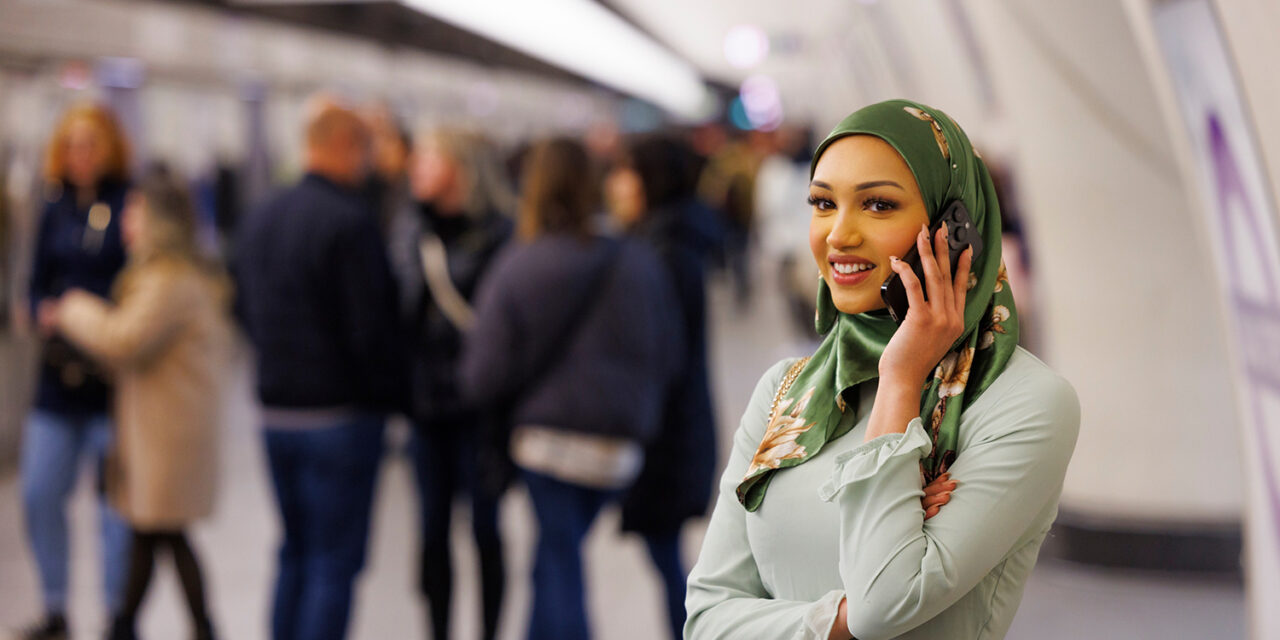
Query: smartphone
point(961, 234)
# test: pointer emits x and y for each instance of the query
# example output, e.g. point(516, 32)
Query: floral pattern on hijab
point(946, 168)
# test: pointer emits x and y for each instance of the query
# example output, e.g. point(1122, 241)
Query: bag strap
point(787, 381)
point(554, 350)
point(435, 270)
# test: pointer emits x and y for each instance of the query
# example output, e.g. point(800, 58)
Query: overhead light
point(746, 46)
point(583, 37)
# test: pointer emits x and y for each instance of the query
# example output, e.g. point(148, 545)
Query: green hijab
point(809, 413)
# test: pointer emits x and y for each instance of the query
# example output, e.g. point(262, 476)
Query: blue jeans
point(53, 446)
point(565, 513)
point(324, 482)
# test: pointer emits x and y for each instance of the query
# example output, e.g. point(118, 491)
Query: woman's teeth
point(852, 267)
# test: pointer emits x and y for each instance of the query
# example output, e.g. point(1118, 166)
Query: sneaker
point(52, 627)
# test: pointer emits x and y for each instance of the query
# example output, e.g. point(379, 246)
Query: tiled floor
point(1061, 602)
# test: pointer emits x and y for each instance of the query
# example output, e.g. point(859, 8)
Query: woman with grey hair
point(441, 245)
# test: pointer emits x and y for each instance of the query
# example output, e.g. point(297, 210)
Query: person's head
point(885, 172)
point(458, 174)
point(653, 172)
point(389, 144)
point(867, 208)
point(87, 146)
point(337, 143)
point(159, 217)
point(556, 197)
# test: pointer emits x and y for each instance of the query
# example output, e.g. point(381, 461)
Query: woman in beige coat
point(165, 338)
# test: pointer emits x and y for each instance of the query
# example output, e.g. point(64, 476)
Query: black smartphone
point(961, 234)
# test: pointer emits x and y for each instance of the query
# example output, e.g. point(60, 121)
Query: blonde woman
point(165, 337)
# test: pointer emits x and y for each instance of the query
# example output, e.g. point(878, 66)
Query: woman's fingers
point(936, 501)
point(910, 283)
point(961, 280)
point(932, 275)
point(937, 494)
point(942, 254)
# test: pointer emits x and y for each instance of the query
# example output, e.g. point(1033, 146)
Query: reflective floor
point(1061, 601)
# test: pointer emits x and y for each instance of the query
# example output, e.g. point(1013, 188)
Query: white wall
point(1126, 281)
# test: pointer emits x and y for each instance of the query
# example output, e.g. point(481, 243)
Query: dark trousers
point(445, 466)
point(324, 480)
point(664, 551)
point(565, 513)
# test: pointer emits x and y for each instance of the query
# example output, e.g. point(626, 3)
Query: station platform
point(1062, 601)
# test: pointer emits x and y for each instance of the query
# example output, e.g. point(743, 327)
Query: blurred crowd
point(537, 314)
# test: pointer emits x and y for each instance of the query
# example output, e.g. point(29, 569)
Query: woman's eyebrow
point(865, 185)
point(879, 183)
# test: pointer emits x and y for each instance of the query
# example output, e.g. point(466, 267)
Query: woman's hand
point(936, 494)
point(932, 325)
point(924, 336)
point(47, 317)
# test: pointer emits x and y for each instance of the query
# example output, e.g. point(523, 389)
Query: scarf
point(809, 413)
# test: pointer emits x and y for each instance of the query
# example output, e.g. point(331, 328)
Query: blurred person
point(727, 183)
point(571, 335)
point(781, 182)
point(841, 514)
point(652, 198)
point(387, 184)
point(443, 242)
point(319, 305)
point(165, 337)
point(78, 245)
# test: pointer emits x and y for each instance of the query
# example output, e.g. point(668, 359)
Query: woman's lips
point(850, 270)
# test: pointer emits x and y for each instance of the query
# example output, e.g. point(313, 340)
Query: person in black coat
point(651, 197)
point(442, 244)
point(318, 303)
point(79, 246)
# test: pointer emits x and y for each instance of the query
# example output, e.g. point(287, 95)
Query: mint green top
point(849, 522)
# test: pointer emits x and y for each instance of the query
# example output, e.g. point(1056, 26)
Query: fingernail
point(944, 229)
point(893, 258)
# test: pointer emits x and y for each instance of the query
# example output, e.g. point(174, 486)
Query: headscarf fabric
point(810, 412)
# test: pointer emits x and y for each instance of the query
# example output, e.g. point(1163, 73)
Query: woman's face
point(134, 222)
point(866, 208)
point(434, 175)
point(86, 153)
point(624, 194)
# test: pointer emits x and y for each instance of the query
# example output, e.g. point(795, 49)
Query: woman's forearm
point(897, 403)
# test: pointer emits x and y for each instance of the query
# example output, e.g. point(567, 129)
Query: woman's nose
point(844, 233)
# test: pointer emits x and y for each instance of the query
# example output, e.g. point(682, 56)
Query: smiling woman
point(858, 225)
point(899, 482)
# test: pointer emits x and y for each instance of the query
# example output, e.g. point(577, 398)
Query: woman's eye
point(822, 204)
point(879, 205)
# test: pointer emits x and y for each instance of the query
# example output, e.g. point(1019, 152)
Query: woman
point(166, 338)
point(651, 197)
point(570, 335)
point(441, 247)
point(819, 531)
point(77, 246)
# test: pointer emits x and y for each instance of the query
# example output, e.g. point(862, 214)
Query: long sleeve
point(490, 350)
point(726, 596)
point(128, 333)
point(900, 571)
point(40, 285)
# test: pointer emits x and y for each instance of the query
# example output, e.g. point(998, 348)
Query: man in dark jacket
point(318, 302)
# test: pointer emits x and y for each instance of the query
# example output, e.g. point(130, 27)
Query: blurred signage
point(1242, 221)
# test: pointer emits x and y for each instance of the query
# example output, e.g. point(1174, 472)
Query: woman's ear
point(825, 319)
